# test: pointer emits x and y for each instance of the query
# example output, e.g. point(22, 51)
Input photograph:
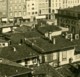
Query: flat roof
point(8, 70)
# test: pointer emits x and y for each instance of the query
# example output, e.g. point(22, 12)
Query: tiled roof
point(48, 29)
point(32, 34)
point(44, 45)
point(19, 36)
point(65, 71)
point(22, 29)
point(46, 70)
point(21, 52)
point(29, 24)
point(10, 70)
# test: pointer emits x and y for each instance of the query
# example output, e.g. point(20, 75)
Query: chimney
point(16, 70)
point(14, 49)
point(25, 39)
point(54, 41)
point(71, 37)
point(49, 35)
point(10, 42)
point(76, 36)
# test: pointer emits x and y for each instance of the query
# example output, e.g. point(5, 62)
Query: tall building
point(16, 8)
point(29, 9)
point(56, 4)
point(3, 9)
point(22, 8)
point(70, 3)
point(69, 18)
point(44, 7)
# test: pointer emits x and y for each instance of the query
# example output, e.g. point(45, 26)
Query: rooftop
point(48, 29)
point(11, 70)
point(67, 71)
point(44, 45)
point(22, 29)
point(46, 70)
point(19, 36)
point(17, 52)
point(70, 70)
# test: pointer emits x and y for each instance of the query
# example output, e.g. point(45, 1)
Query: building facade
point(29, 9)
point(26, 9)
point(70, 18)
point(70, 3)
point(16, 8)
point(3, 9)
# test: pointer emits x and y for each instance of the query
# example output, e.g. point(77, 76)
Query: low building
point(12, 69)
point(45, 70)
point(68, 71)
point(21, 54)
point(21, 35)
point(49, 31)
point(57, 52)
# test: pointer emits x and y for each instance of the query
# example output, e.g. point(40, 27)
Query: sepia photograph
point(39, 38)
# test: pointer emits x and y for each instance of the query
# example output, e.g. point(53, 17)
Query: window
point(11, 14)
point(10, 1)
point(3, 44)
point(64, 55)
point(15, 7)
point(33, 8)
point(55, 56)
point(77, 56)
point(20, 13)
point(35, 12)
point(32, 3)
point(15, 13)
point(49, 57)
point(19, 6)
point(24, 13)
point(10, 8)
point(32, 12)
point(34, 60)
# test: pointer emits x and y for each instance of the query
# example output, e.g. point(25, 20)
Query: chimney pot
point(14, 49)
point(54, 41)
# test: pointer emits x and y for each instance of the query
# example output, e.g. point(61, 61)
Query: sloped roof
point(22, 52)
point(10, 69)
point(48, 28)
point(46, 46)
point(46, 70)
